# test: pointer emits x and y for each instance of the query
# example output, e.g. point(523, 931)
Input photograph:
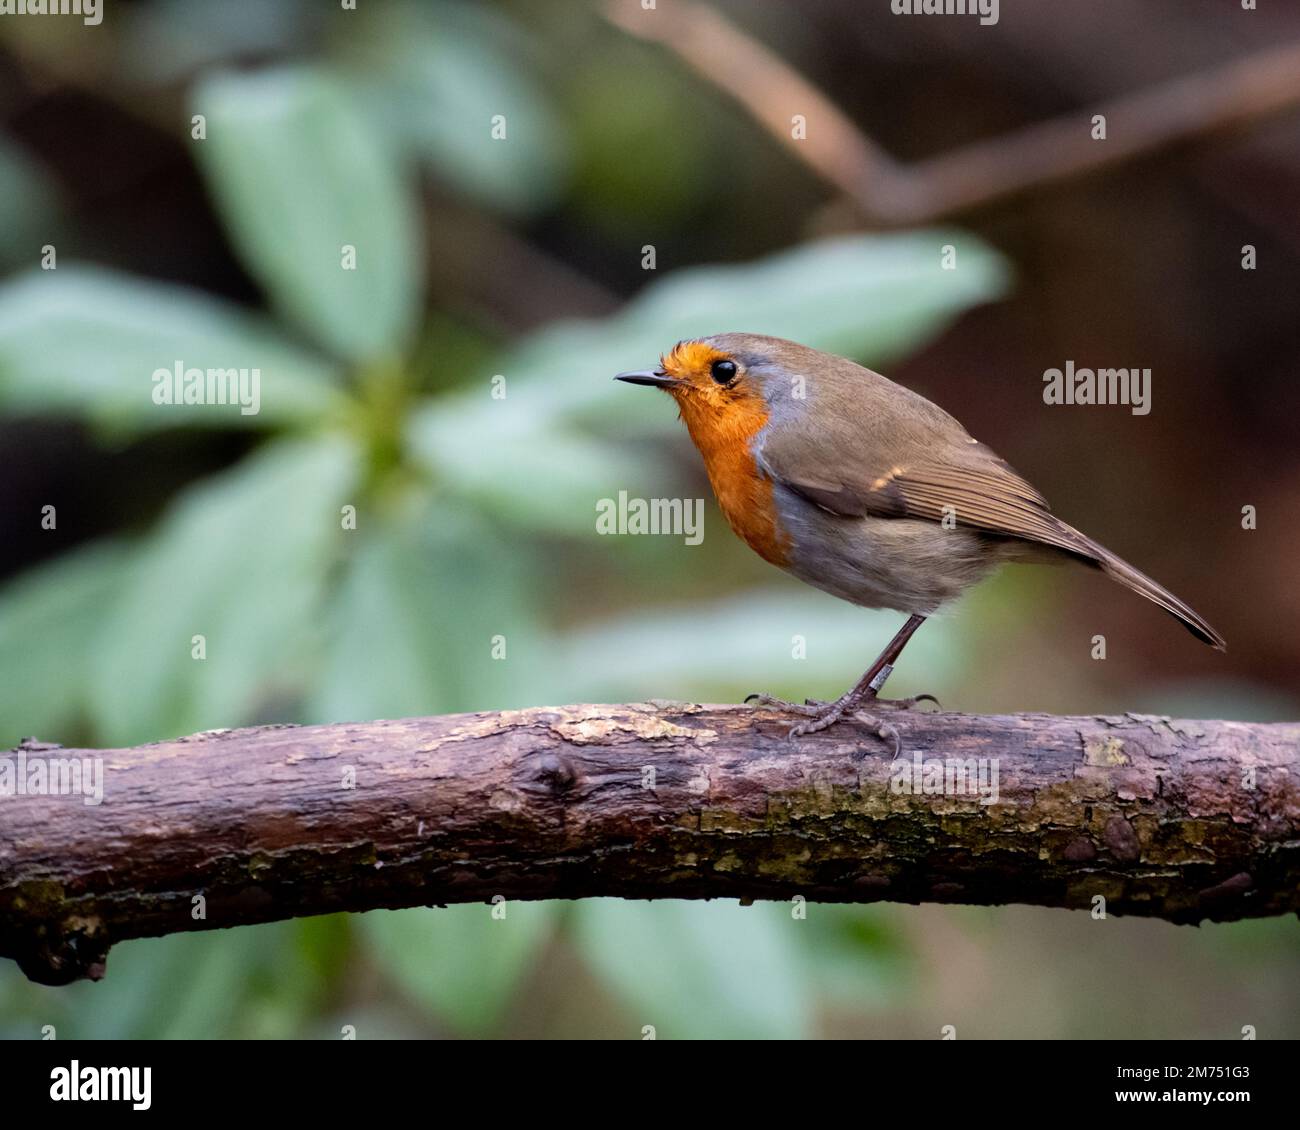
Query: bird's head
point(722, 384)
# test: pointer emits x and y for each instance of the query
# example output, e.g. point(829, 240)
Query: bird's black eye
point(724, 372)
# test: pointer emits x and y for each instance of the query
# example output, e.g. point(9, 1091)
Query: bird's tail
point(1121, 571)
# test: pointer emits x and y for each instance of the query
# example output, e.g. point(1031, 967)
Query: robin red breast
point(864, 489)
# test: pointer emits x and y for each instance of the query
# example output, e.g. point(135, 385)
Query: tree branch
point(888, 193)
point(1176, 820)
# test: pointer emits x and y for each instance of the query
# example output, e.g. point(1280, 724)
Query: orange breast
point(744, 495)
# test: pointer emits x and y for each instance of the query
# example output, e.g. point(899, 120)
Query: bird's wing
point(899, 456)
point(952, 476)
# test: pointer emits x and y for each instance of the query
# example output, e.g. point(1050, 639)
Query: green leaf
point(432, 615)
point(49, 624)
point(494, 452)
point(86, 342)
point(434, 78)
point(460, 962)
point(298, 174)
point(242, 560)
point(700, 970)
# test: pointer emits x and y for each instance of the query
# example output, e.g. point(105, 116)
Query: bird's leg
point(873, 679)
point(823, 714)
point(866, 689)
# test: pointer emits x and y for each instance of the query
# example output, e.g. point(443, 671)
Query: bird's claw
point(907, 703)
point(884, 731)
point(809, 706)
point(827, 718)
point(817, 721)
point(822, 715)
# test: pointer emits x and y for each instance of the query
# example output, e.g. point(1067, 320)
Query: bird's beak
point(656, 378)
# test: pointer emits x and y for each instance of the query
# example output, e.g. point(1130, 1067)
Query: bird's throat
point(724, 438)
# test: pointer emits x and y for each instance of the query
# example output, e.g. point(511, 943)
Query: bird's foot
point(842, 710)
point(819, 718)
point(822, 715)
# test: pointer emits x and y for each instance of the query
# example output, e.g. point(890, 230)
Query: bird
point(865, 490)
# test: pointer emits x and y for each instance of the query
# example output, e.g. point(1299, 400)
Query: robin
point(865, 490)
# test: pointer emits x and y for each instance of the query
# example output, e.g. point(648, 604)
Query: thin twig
point(1233, 96)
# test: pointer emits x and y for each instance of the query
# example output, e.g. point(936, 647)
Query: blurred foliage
point(22, 178)
point(427, 72)
point(75, 341)
point(299, 176)
point(475, 515)
point(463, 963)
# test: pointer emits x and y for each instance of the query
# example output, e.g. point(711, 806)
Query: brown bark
point(1177, 820)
